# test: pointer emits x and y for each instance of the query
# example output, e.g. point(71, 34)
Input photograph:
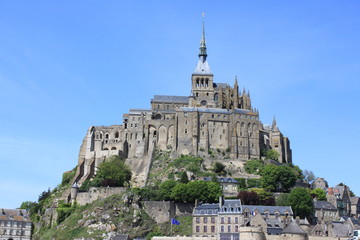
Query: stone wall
point(160, 211)
point(287, 236)
point(184, 208)
point(94, 194)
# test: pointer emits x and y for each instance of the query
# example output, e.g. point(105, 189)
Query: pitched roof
point(272, 209)
point(14, 215)
point(293, 228)
point(167, 98)
point(341, 230)
point(202, 67)
point(324, 205)
point(222, 180)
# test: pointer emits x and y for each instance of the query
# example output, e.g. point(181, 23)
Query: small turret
point(73, 193)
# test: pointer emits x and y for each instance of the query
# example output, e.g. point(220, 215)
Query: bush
point(272, 154)
point(67, 177)
point(254, 166)
point(113, 173)
point(219, 168)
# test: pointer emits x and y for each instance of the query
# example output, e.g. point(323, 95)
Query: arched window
point(216, 97)
point(106, 136)
point(222, 229)
point(236, 228)
point(116, 134)
point(113, 148)
point(229, 228)
point(154, 134)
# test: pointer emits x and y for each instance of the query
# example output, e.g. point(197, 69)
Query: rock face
point(117, 214)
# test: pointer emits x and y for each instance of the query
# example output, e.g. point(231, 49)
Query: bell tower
point(202, 79)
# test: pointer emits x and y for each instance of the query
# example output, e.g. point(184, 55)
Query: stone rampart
point(94, 194)
point(288, 236)
point(160, 211)
point(184, 208)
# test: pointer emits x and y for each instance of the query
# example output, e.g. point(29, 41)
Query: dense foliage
point(254, 166)
point(272, 154)
point(197, 190)
point(301, 202)
point(277, 178)
point(319, 194)
point(219, 168)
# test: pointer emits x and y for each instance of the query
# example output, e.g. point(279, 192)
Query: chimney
point(330, 191)
point(297, 220)
point(221, 201)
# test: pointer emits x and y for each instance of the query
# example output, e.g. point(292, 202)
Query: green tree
point(183, 177)
point(301, 202)
point(200, 190)
point(31, 207)
point(254, 166)
point(166, 188)
point(277, 178)
point(219, 168)
point(282, 199)
point(319, 194)
point(272, 154)
point(113, 173)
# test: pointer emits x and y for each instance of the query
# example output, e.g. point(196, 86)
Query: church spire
point(202, 52)
point(203, 67)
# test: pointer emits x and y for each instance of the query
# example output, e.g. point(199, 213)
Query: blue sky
point(67, 65)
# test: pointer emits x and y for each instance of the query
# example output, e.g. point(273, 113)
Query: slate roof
point(220, 85)
point(293, 228)
point(167, 98)
point(235, 205)
point(341, 230)
point(214, 110)
point(14, 215)
point(202, 67)
point(271, 209)
point(222, 180)
point(274, 226)
point(352, 219)
point(354, 200)
point(207, 208)
point(324, 205)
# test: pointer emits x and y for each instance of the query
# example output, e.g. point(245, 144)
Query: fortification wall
point(287, 236)
point(161, 212)
point(252, 233)
point(184, 208)
point(94, 194)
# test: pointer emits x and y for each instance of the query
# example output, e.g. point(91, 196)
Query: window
point(229, 228)
point(222, 229)
point(212, 219)
point(185, 131)
point(229, 219)
point(212, 229)
point(236, 228)
point(117, 135)
point(205, 228)
point(197, 220)
point(222, 220)
point(236, 220)
point(205, 220)
point(185, 114)
point(197, 229)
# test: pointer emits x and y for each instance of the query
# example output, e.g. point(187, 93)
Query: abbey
point(215, 116)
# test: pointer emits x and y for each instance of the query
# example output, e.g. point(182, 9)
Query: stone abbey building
point(215, 116)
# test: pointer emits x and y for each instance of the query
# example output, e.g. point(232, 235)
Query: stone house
point(325, 211)
point(226, 218)
point(319, 183)
point(214, 116)
point(339, 196)
point(15, 224)
point(230, 186)
point(355, 206)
